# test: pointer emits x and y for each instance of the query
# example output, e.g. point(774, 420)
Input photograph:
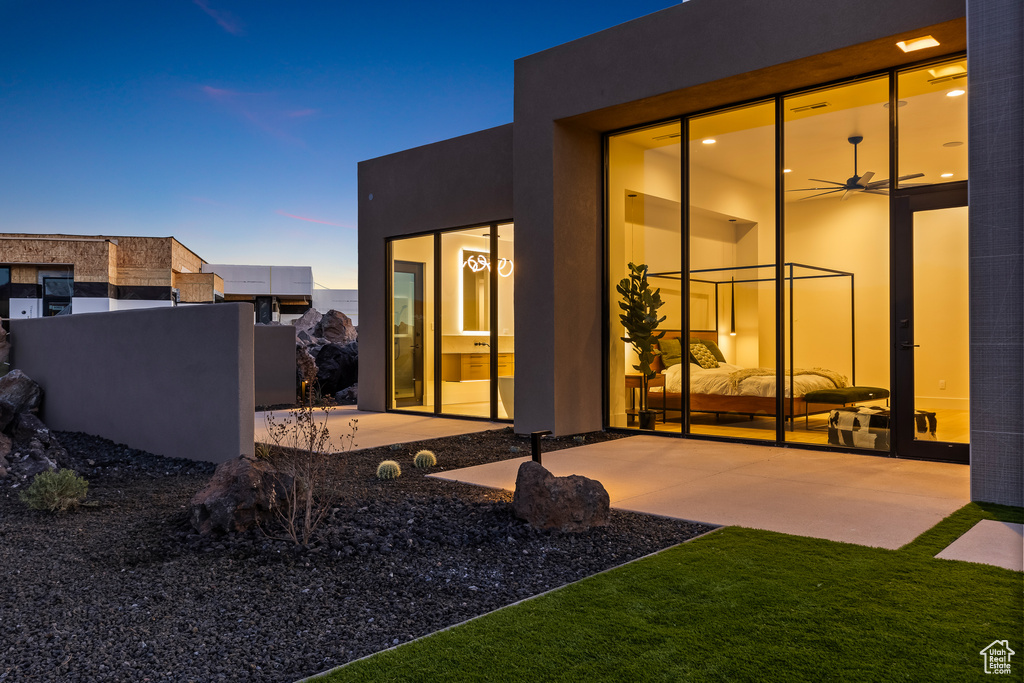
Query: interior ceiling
point(816, 144)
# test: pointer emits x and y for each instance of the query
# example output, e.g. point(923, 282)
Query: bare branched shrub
point(302, 452)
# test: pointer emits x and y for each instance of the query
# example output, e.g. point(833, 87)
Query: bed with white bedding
point(734, 389)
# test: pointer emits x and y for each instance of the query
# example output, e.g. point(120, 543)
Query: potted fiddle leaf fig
point(640, 306)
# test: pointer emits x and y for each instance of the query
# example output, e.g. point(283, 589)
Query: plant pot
point(648, 418)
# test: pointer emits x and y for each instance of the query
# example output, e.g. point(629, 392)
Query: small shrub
point(263, 451)
point(395, 447)
point(424, 459)
point(55, 491)
point(388, 469)
point(579, 438)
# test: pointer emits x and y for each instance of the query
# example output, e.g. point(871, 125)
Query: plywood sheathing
point(89, 257)
point(195, 288)
point(144, 261)
point(183, 259)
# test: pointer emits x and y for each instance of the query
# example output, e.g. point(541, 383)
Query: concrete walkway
point(863, 499)
point(384, 429)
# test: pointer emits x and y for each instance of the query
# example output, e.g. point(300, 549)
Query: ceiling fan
point(856, 183)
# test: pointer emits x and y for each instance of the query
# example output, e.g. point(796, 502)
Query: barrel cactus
point(388, 469)
point(424, 459)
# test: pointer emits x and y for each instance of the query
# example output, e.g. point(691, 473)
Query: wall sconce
point(732, 307)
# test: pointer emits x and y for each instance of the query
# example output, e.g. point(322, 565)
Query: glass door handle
point(908, 345)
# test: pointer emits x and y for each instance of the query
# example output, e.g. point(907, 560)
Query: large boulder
point(306, 324)
point(242, 493)
point(27, 446)
point(572, 503)
point(348, 397)
point(18, 394)
point(337, 367)
point(336, 328)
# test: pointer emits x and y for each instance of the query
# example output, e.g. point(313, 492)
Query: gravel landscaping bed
point(125, 591)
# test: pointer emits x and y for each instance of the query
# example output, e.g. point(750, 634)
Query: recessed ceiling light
point(946, 175)
point(787, 170)
point(956, 93)
point(709, 141)
point(917, 43)
point(954, 143)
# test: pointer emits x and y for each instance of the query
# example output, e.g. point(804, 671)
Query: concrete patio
point(383, 429)
point(862, 499)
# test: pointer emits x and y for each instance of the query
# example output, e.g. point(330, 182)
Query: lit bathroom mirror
point(476, 291)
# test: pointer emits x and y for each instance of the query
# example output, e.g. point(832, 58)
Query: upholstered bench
point(869, 427)
point(841, 397)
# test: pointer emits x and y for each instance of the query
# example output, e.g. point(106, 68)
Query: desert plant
point(300, 450)
point(263, 451)
point(640, 318)
point(55, 491)
point(424, 459)
point(388, 469)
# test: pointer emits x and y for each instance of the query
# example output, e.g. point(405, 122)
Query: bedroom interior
point(832, 212)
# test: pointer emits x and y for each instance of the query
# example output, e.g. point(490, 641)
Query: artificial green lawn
point(743, 605)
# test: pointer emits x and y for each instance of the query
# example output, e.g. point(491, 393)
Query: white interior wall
point(852, 236)
point(941, 325)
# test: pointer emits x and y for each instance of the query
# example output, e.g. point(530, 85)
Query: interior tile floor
point(864, 499)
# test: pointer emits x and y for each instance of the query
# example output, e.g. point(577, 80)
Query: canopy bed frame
point(664, 401)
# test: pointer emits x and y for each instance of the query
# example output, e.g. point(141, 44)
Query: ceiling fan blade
point(866, 178)
point(830, 182)
point(908, 177)
point(877, 184)
point(808, 189)
point(838, 189)
point(884, 193)
point(846, 195)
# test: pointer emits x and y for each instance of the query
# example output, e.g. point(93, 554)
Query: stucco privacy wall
point(996, 113)
point(172, 381)
point(696, 55)
point(459, 182)
point(274, 364)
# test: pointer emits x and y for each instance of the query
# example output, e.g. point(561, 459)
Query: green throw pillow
point(671, 352)
point(704, 357)
point(713, 348)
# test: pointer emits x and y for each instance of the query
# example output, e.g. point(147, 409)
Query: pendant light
point(732, 306)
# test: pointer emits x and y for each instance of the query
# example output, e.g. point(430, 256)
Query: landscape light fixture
point(917, 43)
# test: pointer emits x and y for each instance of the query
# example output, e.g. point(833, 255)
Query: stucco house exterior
point(829, 198)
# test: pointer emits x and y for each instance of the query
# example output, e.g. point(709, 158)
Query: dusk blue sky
point(236, 126)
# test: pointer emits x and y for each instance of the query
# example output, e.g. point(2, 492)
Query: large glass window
point(644, 217)
point(732, 363)
point(732, 276)
point(837, 240)
point(453, 322)
point(466, 325)
point(932, 115)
